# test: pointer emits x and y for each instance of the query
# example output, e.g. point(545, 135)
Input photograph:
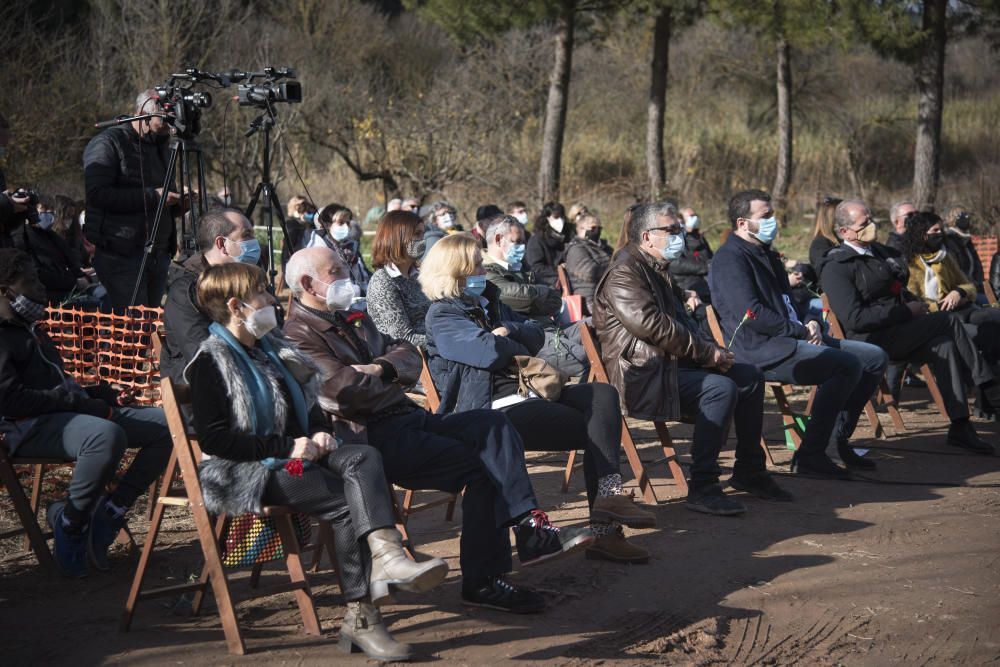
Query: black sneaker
point(819, 466)
point(713, 501)
point(760, 485)
point(851, 459)
point(539, 541)
point(962, 434)
point(498, 593)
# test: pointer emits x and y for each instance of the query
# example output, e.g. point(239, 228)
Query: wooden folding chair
point(991, 297)
point(27, 510)
point(884, 396)
point(432, 401)
point(791, 421)
point(186, 456)
point(598, 374)
point(573, 302)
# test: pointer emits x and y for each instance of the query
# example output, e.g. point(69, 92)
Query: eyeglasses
point(672, 230)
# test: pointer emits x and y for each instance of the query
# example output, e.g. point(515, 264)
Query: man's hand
point(552, 303)
point(691, 299)
point(951, 301)
point(20, 203)
point(815, 333)
point(501, 331)
point(82, 283)
point(722, 359)
point(325, 442)
point(917, 308)
point(368, 369)
point(304, 448)
point(173, 199)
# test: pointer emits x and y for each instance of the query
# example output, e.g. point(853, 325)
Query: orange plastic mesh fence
point(986, 247)
point(118, 349)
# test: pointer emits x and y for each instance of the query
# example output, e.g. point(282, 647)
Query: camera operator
point(124, 168)
point(13, 205)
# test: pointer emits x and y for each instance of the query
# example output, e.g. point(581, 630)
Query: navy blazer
point(463, 355)
point(745, 276)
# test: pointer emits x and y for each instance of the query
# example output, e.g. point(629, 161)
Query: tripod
point(181, 153)
point(265, 192)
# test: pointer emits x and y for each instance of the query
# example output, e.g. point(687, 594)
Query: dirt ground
point(853, 573)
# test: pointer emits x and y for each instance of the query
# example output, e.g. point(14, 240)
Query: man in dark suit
point(753, 298)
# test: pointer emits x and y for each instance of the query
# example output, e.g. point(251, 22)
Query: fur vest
point(236, 487)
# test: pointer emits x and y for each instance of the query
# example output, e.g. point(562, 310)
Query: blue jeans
point(718, 400)
point(846, 373)
point(97, 446)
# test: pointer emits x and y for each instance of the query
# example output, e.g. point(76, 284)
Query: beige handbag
point(538, 376)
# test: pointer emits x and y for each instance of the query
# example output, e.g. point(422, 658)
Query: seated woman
point(254, 407)
point(824, 237)
point(547, 246)
point(936, 278)
point(336, 233)
point(587, 256)
point(472, 341)
point(396, 303)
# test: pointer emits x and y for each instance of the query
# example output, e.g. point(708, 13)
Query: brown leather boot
point(364, 629)
point(622, 509)
point(614, 547)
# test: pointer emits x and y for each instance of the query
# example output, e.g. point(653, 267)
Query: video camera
point(272, 89)
point(31, 211)
point(182, 104)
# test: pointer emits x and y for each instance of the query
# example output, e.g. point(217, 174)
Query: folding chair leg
point(932, 387)
point(873, 419)
point(671, 456)
point(809, 403)
point(215, 575)
point(400, 522)
point(199, 597)
point(638, 470)
point(885, 397)
point(787, 415)
point(407, 503)
point(293, 561)
point(568, 472)
point(449, 513)
point(767, 452)
point(324, 541)
point(28, 518)
point(36, 497)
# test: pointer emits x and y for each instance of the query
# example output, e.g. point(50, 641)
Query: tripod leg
point(253, 201)
point(161, 206)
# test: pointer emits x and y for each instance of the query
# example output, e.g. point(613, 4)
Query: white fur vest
point(236, 487)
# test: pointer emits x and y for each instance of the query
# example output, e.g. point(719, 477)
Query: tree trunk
point(784, 174)
point(555, 108)
point(655, 164)
point(930, 104)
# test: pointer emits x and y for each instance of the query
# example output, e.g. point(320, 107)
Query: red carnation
point(294, 467)
point(354, 316)
point(751, 314)
point(896, 287)
point(695, 253)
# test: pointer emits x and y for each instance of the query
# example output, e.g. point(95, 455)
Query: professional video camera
point(31, 212)
point(182, 104)
point(272, 89)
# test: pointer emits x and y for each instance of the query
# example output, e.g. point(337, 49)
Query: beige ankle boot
point(364, 629)
point(391, 569)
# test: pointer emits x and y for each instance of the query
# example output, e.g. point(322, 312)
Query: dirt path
point(851, 573)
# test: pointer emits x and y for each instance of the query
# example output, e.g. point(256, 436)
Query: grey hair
point(894, 209)
point(143, 100)
point(500, 225)
point(436, 208)
point(646, 216)
point(841, 218)
point(301, 264)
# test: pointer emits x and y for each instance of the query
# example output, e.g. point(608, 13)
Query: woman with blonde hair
point(824, 238)
point(473, 339)
point(254, 403)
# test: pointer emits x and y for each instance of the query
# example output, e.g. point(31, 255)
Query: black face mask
point(933, 242)
point(593, 234)
point(963, 222)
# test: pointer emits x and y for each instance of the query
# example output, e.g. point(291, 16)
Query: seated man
point(45, 413)
point(868, 295)
point(365, 372)
point(224, 236)
point(502, 260)
point(664, 368)
point(747, 277)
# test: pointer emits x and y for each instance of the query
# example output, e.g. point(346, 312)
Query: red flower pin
point(695, 253)
point(826, 314)
point(896, 287)
point(355, 318)
point(294, 467)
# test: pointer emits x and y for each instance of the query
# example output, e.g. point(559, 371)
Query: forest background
point(448, 99)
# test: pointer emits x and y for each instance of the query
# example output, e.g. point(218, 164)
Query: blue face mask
point(340, 232)
point(474, 285)
point(249, 251)
point(309, 217)
point(768, 230)
point(515, 255)
point(46, 219)
point(674, 247)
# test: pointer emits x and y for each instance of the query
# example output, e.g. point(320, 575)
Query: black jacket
point(53, 259)
point(751, 278)
point(586, 262)
point(544, 252)
point(121, 197)
point(693, 264)
point(867, 293)
point(184, 323)
point(964, 251)
point(818, 250)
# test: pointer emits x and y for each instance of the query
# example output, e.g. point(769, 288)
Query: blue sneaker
point(104, 528)
point(70, 548)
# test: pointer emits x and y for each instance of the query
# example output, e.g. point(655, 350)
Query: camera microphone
point(110, 123)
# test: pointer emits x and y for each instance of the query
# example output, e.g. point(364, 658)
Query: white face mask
point(557, 224)
point(261, 321)
point(446, 221)
point(340, 294)
point(691, 223)
point(522, 218)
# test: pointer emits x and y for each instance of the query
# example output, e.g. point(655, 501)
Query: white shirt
point(859, 249)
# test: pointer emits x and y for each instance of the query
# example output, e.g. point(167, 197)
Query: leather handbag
point(538, 376)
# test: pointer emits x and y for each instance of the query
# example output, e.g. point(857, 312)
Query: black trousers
point(587, 416)
point(943, 341)
point(347, 488)
point(479, 450)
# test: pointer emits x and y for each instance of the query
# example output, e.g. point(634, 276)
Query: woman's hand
point(325, 442)
point(304, 448)
point(501, 331)
point(952, 301)
point(368, 369)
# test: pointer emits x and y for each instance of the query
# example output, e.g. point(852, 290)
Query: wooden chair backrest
point(430, 391)
point(715, 326)
point(588, 338)
point(991, 296)
point(831, 319)
point(567, 286)
point(175, 395)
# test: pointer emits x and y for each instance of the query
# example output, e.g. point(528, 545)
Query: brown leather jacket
point(348, 397)
point(641, 340)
